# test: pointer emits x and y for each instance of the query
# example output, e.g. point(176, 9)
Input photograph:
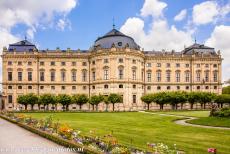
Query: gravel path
point(184, 121)
point(16, 140)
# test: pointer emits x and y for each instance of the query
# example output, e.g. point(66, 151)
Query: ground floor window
point(134, 99)
point(10, 99)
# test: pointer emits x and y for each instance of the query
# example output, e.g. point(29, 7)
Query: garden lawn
point(142, 128)
point(186, 113)
point(212, 121)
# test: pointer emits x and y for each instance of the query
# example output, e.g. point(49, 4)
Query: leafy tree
point(206, 97)
point(106, 101)
point(95, 100)
point(193, 97)
point(22, 100)
point(47, 99)
point(32, 99)
point(223, 99)
point(226, 90)
point(147, 99)
point(65, 100)
point(114, 98)
point(80, 99)
point(176, 98)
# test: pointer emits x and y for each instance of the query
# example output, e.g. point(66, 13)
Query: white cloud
point(159, 36)
point(220, 40)
point(153, 7)
point(63, 23)
point(180, 16)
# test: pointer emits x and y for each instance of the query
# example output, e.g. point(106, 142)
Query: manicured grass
point(212, 121)
point(142, 128)
point(187, 113)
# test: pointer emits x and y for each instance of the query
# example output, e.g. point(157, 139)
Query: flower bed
point(64, 135)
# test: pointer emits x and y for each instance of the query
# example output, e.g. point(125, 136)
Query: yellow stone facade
point(127, 71)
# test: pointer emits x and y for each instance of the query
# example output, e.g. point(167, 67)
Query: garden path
point(16, 140)
point(184, 121)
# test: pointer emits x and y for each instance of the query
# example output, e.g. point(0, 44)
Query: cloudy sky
point(154, 24)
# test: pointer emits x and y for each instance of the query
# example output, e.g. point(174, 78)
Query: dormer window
point(119, 43)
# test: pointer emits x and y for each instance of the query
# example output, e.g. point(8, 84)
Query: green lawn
point(212, 121)
point(143, 128)
point(187, 113)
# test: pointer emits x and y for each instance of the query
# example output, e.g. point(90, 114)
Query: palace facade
point(114, 64)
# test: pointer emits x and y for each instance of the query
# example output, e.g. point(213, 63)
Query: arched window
point(177, 76)
point(52, 75)
point(74, 75)
point(198, 76)
point(134, 73)
point(187, 76)
point(168, 75)
point(206, 73)
point(84, 75)
point(106, 73)
point(120, 72)
point(63, 75)
point(158, 73)
point(215, 76)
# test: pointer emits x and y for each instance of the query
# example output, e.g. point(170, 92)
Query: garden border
point(65, 143)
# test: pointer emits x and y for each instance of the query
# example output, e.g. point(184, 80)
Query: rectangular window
point(198, 65)
point(84, 76)
point(134, 98)
point(63, 63)
point(106, 74)
point(63, 76)
point(19, 76)
point(29, 87)
point(148, 65)
point(177, 76)
point(120, 60)
point(206, 76)
point(215, 76)
point(52, 76)
point(42, 63)
point(158, 76)
point(134, 75)
point(84, 64)
point(187, 76)
point(29, 63)
point(94, 76)
point(10, 63)
point(168, 65)
point(42, 76)
point(158, 64)
point(62, 87)
point(177, 65)
point(10, 76)
point(52, 63)
point(10, 99)
point(149, 76)
point(73, 63)
point(74, 77)
point(168, 76)
point(134, 61)
point(30, 76)
point(186, 65)
point(52, 87)
point(206, 65)
point(73, 87)
point(106, 61)
point(198, 76)
point(142, 75)
point(121, 74)
point(19, 63)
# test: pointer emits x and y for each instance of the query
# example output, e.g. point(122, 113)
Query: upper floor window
point(52, 63)
point(63, 76)
point(52, 76)
point(9, 87)
point(29, 63)
point(158, 76)
point(215, 76)
point(177, 76)
point(63, 63)
point(168, 65)
point(42, 76)
point(42, 63)
point(149, 76)
point(19, 76)
point(120, 73)
point(10, 63)
point(206, 65)
point(148, 65)
point(106, 60)
point(10, 99)
point(187, 76)
point(84, 75)
point(177, 64)
point(120, 60)
point(30, 76)
point(84, 63)
point(206, 76)
point(106, 74)
point(73, 63)
point(74, 78)
point(93, 62)
point(134, 61)
point(134, 72)
point(168, 76)
point(94, 75)
point(198, 65)
point(19, 63)
point(186, 65)
point(158, 64)
point(198, 76)
point(215, 65)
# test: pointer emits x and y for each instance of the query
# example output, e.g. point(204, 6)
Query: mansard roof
point(21, 46)
point(198, 49)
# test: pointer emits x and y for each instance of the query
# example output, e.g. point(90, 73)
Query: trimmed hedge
point(56, 139)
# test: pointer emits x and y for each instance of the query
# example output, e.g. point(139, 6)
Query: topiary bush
point(224, 112)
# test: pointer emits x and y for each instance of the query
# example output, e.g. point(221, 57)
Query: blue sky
point(154, 24)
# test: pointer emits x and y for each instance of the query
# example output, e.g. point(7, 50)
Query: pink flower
point(211, 150)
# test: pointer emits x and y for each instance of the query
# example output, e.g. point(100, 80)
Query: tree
point(22, 100)
point(147, 99)
point(223, 99)
point(95, 100)
point(114, 98)
point(47, 99)
point(80, 99)
point(65, 100)
point(106, 101)
point(226, 90)
point(176, 98)
point(193, 97)
point(31, 99)
point(206, 97)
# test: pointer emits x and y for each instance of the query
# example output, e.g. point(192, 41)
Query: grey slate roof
point(116, 38)
point(199, 48)
point(22, 46)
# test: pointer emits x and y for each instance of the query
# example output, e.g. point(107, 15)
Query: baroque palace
point(114, 64)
